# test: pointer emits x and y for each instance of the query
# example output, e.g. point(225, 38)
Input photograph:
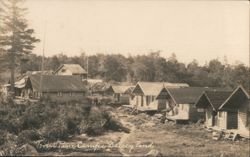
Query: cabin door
point(232, 120)
point(142, 100)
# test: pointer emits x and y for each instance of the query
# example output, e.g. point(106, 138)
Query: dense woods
point(151, 67)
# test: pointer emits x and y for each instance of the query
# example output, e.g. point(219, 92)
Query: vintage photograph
point(125, 78)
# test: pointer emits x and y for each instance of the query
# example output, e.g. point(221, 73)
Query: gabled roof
point(214, 97)
point(119, 89)
point(238, 96)
point(154, 88)
point(186, 95)
point(56, 83)
point(74, 68)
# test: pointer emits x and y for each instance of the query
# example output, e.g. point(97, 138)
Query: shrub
point(95, 122)
point(27, 136)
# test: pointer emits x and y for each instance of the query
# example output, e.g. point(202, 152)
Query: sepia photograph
point(149, 78)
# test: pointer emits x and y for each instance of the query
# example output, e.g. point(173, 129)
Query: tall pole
point(87, 67)
point(42, 67)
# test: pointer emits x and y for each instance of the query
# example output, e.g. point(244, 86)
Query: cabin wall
point(221, 120)
point(182, 111)
point(124, 98)
point(162, 104)
point(194, 115)
point(65, 96)
point(209, 116)
point(244, 117)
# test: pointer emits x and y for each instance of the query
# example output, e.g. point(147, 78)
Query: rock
point(153, 153)
point(158, 116)
point(216, 135)
point(108, 150)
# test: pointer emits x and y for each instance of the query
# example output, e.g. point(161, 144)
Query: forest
point(150, 67)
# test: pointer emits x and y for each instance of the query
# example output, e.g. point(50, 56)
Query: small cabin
point(120, 93)
point(72, 69)
point(234, 113)
point(146, 93)
point(180, 103)
point(58, 88)
point(210, 102)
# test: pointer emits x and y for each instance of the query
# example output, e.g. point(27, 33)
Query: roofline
point(138, 83)
point(58, 68)
point(171, 95)
point(239, 87)
point(204, 94)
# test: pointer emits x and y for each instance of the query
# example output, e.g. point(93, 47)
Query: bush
point(56, 130)
point(95, 122)
point(27, 136)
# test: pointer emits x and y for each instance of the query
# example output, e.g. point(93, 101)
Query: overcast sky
point(201, 30)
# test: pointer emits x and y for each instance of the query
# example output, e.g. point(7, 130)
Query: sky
point(201, 30)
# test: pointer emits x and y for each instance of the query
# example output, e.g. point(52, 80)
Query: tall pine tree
point(16, 38)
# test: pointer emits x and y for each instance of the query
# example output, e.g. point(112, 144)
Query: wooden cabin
point(71, 69)
point(120, 93)
point(58, 88)
point(146, 92)
point(234, 113)
point(180, 103)
point(210, 101)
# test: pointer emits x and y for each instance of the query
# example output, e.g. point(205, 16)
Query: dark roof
point(216, 98)
point(187, 95)
point(57, 83)
point(237, 97)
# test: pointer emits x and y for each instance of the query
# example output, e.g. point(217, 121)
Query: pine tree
point(16, 38)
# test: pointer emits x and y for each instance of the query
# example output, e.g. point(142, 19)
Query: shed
point(179, 102)
point(234, 113)
point(211, 101)
point(146, 92)
point(120, 93)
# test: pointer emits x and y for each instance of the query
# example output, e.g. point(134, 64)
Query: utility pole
point(42, 67)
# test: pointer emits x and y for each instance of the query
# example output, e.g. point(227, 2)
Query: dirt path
point(124, 138)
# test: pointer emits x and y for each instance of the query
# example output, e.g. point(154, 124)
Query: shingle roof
point(74, 68)
point(216, 98)
point(188, 95)
point(236, 98)
point(154, 88)
point(57, 83)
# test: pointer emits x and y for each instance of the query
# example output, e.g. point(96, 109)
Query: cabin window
point(153, 98)
point(201, 110)
point(63, 70)
point(59, 94)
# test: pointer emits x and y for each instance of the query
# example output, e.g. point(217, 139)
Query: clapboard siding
point(244, 117)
